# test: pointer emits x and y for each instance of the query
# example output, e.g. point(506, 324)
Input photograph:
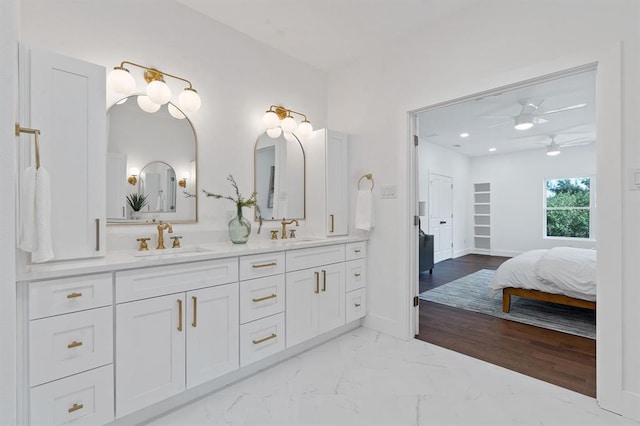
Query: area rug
point(470, 293)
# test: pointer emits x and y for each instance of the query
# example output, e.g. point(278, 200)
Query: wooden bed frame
point(507, 292)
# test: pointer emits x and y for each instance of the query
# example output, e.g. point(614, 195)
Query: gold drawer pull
point(195, 311)
point(75, 407)
point(332, 223)
point(317, 282)
point(261, 299)
point(264, 339)
point(74, 344)
point(73, 295)
point(265, 265)
point(357, 305)
point(357, 274)
point(179, 314)
point(324, 280)
point(357, 250)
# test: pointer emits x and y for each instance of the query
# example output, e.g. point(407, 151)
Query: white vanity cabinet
point(356, 277)
point(327, 183)
point(176, 327)
point(65, 100)
point(70, 350)
point(262, 306)
point(315, 292)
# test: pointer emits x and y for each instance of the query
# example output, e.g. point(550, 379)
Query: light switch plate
point(388, 191)
point(634, 179)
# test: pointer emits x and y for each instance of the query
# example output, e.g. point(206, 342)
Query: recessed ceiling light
point(464, 135)
point(491, 149)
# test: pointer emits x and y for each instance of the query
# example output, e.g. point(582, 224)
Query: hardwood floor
point(562, 359)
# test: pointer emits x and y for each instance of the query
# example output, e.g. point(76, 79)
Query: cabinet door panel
point(66, 101)
point(212, 333)
point(302, 306)
point(150, 354)
point(331, 301)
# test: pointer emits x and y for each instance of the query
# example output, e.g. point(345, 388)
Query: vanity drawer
point(85, 398)
point(356, 274)
point(356, 250)
point(157, 281)
point(261, 297)
point(314, 256)
point(54, 297)
point(261, 265)
point(356, 301)
point(261, 338)
point(68, 344)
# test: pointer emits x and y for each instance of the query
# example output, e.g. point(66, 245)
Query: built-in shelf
point(482, 217)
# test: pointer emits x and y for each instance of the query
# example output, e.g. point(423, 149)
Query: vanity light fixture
point(158, 92)
point(278, 119)
point(133, 175)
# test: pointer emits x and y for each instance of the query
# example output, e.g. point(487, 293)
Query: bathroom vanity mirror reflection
point(151, 154)
point(279, 177)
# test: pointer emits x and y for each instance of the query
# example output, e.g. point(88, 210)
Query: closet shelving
point(482, 217)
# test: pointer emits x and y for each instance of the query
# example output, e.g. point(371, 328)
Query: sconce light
point(133, 175)
point(278, 119)
point(158, 92)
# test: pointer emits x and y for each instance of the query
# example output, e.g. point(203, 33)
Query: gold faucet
point(283, 235)
point(161, 227)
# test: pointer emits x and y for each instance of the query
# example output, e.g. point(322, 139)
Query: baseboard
point(384, 325)
point(460, 253)
point(505, 253)
point(631, 405)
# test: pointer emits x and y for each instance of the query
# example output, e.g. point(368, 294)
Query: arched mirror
point(151, 155)
point(158, 186)
point(279, 177)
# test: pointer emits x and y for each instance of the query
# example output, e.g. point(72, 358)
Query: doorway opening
point(496, 146)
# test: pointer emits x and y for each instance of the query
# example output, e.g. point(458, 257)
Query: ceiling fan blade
point(567, 108)
point(579, 141)
point(538, 120)
point(496, 116)
point(499, 124)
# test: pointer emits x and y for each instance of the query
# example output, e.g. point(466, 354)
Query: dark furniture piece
point(426, 252)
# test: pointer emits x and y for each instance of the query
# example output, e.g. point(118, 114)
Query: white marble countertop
point(117, 260)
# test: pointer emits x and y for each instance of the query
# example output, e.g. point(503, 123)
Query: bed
point(564, 275)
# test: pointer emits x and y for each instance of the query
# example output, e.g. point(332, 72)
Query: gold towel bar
point(368, 176)
point(35, 132)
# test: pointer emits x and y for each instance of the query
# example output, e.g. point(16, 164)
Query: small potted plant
point(137, 202)
point(239, 227)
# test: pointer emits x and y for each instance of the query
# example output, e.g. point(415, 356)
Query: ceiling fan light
point(553, 149)
point(523, 122)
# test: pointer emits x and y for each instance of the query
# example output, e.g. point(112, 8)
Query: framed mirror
point(153, 155)
point(279, 177)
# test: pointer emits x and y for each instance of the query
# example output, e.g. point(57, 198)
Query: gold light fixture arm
point(152, 74)
point(283, 112)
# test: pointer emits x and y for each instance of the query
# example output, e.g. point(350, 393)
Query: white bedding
point(560, 270)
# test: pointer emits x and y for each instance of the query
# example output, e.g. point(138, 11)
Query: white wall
point(473, 52)
point(436, 159)
point(517, 182)
point(8, 102)
point(236, 77)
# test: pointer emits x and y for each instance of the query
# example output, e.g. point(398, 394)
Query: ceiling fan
point(530, 114)
point(553, 147)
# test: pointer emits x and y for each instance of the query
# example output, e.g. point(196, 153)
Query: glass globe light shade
point(121, 81)
point(275, 132)
point(147, 105)
point(289, 137)
point(289, 125)
point(159, 92)
point(189, 100)
point(304, 129)
point(175, 112)
point(271, 120)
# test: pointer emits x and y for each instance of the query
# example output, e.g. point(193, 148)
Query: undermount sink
point(171, 252)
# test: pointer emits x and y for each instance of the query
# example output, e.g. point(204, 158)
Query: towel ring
point(368, 176)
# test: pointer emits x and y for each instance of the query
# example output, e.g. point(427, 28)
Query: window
point(569, 208)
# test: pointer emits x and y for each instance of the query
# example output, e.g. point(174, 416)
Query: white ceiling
point(444, 125)
point(330, 33)
point(327, 33)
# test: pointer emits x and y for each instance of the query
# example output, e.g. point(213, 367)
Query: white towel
point(364, 210)
point(36, 215)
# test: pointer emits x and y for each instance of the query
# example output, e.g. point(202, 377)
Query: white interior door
point(441, 216)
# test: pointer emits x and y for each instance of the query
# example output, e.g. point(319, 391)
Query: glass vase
point(239, 228)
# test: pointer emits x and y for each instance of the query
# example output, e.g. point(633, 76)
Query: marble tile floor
point(367, 378)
